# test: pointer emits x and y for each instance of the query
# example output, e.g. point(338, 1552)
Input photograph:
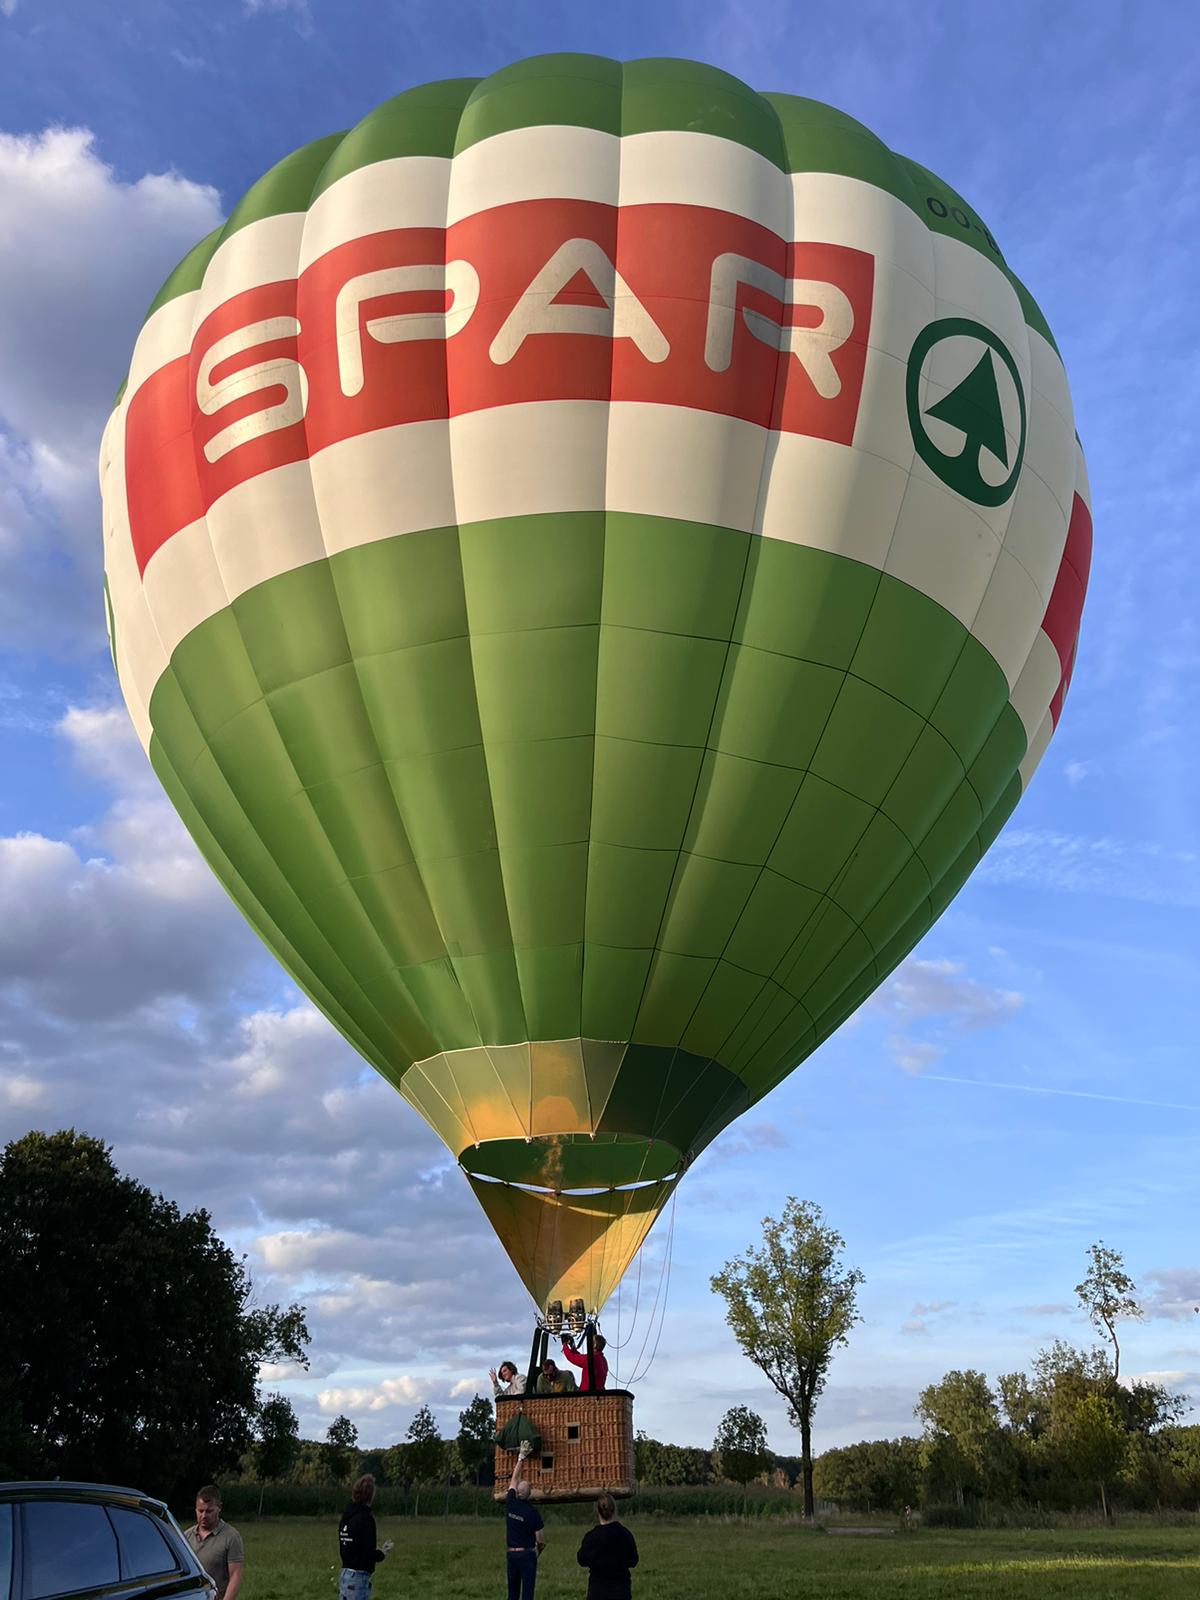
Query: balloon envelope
point(594, 555)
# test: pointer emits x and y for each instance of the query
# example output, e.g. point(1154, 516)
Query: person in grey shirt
point(218, 1547)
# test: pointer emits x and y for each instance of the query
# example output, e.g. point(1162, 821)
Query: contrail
point(1071, 1094)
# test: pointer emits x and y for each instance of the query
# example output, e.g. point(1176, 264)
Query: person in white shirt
point(508, 1381)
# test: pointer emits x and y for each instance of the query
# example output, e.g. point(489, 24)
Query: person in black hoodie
point(608, 1551)
point(356, 1542)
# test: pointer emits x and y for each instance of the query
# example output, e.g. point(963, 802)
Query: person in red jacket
point(581, 1361)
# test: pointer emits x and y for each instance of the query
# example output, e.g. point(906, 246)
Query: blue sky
point(1025, 1085)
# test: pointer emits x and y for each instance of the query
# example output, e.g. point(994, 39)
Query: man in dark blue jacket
point(525, 1539)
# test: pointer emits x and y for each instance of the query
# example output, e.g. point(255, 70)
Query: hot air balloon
point(594, 554)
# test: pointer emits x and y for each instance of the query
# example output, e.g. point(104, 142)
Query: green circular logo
point(973, 407)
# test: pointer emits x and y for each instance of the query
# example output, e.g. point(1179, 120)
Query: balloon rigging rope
point(660, 1304)
point(619, 1343)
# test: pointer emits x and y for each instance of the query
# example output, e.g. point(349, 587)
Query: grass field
point(462, 1559)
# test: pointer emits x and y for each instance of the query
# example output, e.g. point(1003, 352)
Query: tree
point(741, 1445)
point(1092, 1441)
point(278, 1442)
point(658, 1465)
point(341, 1446)
point(426, 1454)
point(1108, 1294)
point(876, 1475)
point(129, 1346)
point(476, 1431)
point(962, 1432)
point(790, 1305)
point(1182, 1449)
point(1021, 1405)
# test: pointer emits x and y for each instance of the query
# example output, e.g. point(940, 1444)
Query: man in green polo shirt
point(218, 1547)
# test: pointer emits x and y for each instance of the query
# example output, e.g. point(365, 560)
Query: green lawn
point(462, 1559)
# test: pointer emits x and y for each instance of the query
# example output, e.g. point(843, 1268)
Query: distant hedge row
point(244, 1501)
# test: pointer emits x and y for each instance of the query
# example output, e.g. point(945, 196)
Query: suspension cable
point(659, 1307)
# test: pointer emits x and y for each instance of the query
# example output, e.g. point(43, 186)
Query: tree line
point(1065, 1436)
point(131, 1342)
point(422, 1458)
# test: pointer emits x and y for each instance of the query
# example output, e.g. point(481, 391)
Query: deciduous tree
point(1108, 1294)
point(278, 1442)
point(740, 1448)
point(129, 1344)
point(791, 1304)
point(426, 1453)
point(962, 1431)
point(341, 1448)
point(476, 1430)
point(1092, 1441)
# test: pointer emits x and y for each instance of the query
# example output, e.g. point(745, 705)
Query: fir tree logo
point(974, 408)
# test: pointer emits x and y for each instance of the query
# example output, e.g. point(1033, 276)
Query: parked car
point(85, 1539)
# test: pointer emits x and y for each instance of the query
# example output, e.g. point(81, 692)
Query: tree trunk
point(1103, 1502)
point(806, 1461)
point(261, 1491)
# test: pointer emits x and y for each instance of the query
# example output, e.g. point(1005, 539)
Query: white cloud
point(19, 1090)
point(744, 1140)
point(1172, 1292)
point(1169, 1378)
point(385, 1396)
point(911, 1055)
point(81, 256)
point(1126, 869)
point(105, 746)
point(136, 1005)
point(938, 988)
point(932, 1001)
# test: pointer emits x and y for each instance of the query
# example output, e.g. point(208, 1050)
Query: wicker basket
point(587, 1445)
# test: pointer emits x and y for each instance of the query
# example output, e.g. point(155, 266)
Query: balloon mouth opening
point(574, 1162)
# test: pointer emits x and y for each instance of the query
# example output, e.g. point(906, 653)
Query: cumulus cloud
point(385, 1396)
point(923, 1313)
point(1172, 1292)
point(19, 1090)
point(1177, 1378)
point(744, 1140)
point(929, 1002)
point(136, 1004)
point(81, 255)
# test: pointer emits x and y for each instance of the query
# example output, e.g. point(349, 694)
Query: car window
point(144, 1550)
point(6, 1550)
point(68, 1545)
